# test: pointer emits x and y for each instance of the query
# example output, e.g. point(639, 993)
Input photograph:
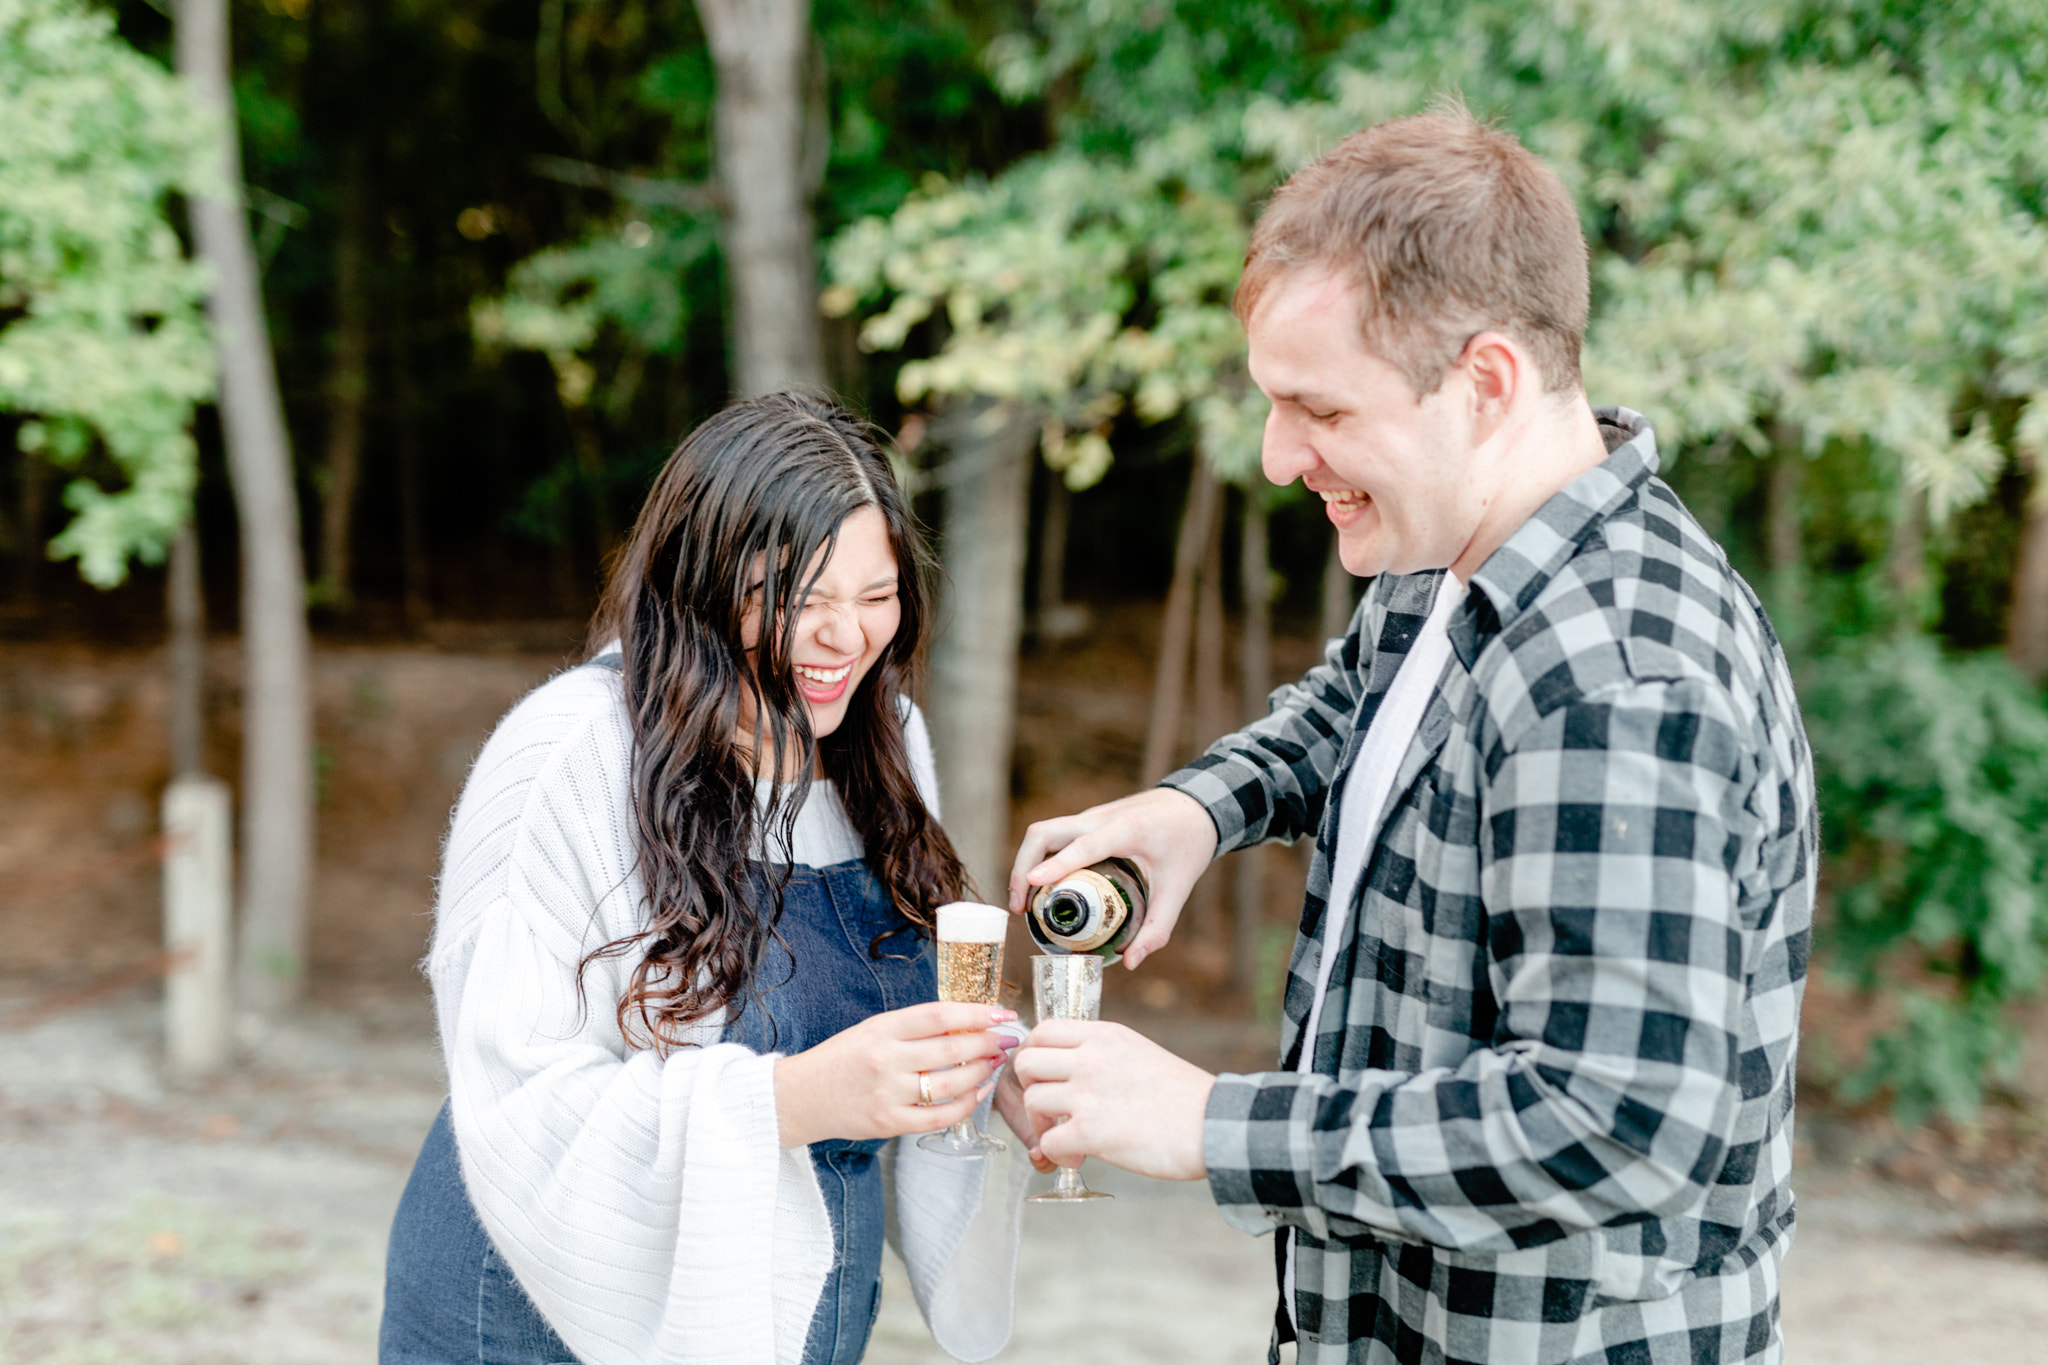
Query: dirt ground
point(244, 1220)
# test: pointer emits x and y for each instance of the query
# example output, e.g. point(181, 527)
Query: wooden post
point(197, 915)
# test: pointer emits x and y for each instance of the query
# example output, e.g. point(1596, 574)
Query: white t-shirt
point(1366, 791)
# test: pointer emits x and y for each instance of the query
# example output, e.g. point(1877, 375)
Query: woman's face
point(847, 621)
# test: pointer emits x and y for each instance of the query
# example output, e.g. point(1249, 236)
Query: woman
point(681, 959)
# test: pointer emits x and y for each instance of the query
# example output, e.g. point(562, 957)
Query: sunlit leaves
point(1036, 277)
point(1816, 227)
point(109, 351)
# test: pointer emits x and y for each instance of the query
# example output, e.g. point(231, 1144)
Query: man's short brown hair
point(1447, 228)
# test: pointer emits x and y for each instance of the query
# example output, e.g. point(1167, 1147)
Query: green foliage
point(627, 284)
point(102, 341)
point(905, 94)
point(1817, 229)
point(1933, 773)
point(1036, 275)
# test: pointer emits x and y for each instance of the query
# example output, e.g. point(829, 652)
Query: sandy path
point(246, 1222)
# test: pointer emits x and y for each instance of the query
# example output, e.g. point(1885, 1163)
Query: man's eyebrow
point(1306, 400)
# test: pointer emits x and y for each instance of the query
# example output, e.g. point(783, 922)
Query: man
point(1535, 1101)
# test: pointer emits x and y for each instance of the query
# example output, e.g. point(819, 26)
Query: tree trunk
point(411, 534)
point(1784, 539)
point(2026, 624)
point(1212, 716)
point(277, 729)
point(1784, 550)
point(1906, 565)
point(1256, 583)
point(28, 534)
point(760, 48)
point(1340, 591)
point(348, 387)
point(1058, 619)
point(987, 479)
point(1169, 678)
point(185, 607)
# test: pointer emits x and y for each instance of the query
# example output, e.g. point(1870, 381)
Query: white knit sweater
point(644, 1202)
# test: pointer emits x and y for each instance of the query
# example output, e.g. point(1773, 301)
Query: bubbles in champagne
point(1067, 986)
point(970, 973)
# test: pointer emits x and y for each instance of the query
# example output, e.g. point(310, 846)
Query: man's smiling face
point(1397, 474)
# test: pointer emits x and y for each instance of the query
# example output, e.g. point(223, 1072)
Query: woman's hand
point(862, 1082)
point(1010, 1104)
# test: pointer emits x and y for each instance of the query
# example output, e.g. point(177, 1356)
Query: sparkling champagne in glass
point(970, 973)
point(1067, 986)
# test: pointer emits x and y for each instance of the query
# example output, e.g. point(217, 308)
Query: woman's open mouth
point(822, 686)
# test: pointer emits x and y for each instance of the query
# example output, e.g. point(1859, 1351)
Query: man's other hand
point(1126, 1099)
point(1165, 832)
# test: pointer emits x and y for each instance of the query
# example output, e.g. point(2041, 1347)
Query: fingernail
point(1005, 1041)
point(1002, 1016)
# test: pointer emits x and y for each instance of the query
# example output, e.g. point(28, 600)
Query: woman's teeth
point(1345, 497)
point(824, 676)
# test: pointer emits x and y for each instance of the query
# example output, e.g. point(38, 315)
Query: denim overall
point(449, 1298)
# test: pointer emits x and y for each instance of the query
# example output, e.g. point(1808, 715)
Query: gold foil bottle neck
point(1090, 885)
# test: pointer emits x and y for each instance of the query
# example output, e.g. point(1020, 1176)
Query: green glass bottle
point(1096, 910)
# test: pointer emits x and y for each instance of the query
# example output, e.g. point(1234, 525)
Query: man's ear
point(1498, 370)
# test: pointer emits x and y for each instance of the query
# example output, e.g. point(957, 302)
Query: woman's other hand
point(862, 1082)
point(1010, 1104)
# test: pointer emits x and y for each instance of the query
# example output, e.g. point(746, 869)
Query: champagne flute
point(970, 972)
point(1067, 986)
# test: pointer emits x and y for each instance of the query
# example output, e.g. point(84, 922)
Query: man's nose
point(1285, 454)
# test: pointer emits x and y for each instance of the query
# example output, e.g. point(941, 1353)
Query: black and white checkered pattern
point(1550, 1113)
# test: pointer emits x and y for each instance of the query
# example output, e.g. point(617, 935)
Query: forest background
point(506, 259)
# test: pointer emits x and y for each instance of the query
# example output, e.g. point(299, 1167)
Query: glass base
point(953, 1143)
point(1065, 1196)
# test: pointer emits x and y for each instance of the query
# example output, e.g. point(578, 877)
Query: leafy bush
point(1933, 777)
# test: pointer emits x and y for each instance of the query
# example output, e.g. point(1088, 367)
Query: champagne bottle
point(1096, 910)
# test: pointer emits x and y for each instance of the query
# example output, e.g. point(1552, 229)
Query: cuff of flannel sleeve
point(1256, 1141)
point(1218, 783)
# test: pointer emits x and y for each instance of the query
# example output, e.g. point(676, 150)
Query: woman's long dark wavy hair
point(733, 526)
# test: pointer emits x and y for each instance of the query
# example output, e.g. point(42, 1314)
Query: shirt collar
point(1515, 574)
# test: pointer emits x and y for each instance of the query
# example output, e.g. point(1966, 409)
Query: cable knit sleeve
point(924, 765)
point(643, 1202)
point(957, 1224)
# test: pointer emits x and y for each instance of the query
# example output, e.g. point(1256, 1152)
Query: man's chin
point(1364, 554)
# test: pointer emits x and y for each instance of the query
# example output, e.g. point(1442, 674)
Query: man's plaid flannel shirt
point(1550, 1113)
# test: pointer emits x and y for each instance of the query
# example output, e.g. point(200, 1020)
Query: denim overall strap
point(840, 954)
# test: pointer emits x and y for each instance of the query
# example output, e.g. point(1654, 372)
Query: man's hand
point(1165, 832)
point(1126, 1099)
